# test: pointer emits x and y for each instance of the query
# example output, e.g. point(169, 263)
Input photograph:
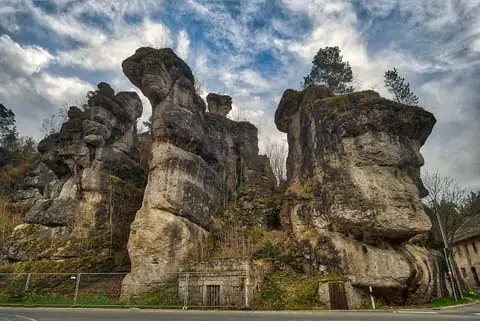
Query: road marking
point(26, 318)
point(418, 312)
point(8, 316)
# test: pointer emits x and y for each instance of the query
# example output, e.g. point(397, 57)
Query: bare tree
point(53, 123)
point(236, 115)
point(277, 154)
point(198, 86)
point(446, 198)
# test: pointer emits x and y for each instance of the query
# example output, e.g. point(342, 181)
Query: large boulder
point(198, 162)
point(353, 172)
point(81, 198)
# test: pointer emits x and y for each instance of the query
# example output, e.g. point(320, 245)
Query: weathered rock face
point(354, 189)
point(219, 104)
point(82, 197)
point(199, 161)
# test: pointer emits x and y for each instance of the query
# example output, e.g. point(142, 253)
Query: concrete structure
point(216, 283)
point(353, 299)
point(466, 250)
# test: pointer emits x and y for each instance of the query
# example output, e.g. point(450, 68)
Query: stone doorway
point(338, 296)
point(213, 295)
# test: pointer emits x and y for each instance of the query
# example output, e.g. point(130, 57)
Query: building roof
point(470, 229)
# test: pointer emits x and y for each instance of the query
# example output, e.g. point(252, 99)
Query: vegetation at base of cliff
point(123, 200)
point(247, 224)
point(468, 297)
point(61, 284)
point(17, 156)
point(8, 219)
point(86, 264)
point(166, 296)
point(292, 292)
point(303, 191)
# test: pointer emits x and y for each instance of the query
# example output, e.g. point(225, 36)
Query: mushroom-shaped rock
point(353, 172)
point(219, 104)
point(198, 161)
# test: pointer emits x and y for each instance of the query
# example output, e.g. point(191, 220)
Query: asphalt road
point(42, 314)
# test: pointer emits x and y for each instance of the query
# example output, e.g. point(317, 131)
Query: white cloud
point(31, 92)
point(61, 90)
point(183, 43)
point(42, 94)
point(109, 53)
point(439, 37)
point(201, 65)
point(255, 81)
point(19, 60)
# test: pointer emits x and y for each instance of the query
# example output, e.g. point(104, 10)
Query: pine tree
point(8, 130)
point(396, 85)
point(329, 69)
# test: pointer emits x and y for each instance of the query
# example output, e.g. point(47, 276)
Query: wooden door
point(213, 295)
point(338, 296)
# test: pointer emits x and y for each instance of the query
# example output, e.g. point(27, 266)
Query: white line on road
point(8, 316)
point(417, 312)
point(26, 318)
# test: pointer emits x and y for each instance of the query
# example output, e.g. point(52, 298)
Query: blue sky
point(53, 51)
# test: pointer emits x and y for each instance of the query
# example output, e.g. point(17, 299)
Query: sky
point(52, 52)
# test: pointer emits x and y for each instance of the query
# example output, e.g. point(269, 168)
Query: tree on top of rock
point(329, 69)
point(8, 130)
point(396, 85)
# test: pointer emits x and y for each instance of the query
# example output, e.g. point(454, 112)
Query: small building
point(215, 284)
point(466, 251)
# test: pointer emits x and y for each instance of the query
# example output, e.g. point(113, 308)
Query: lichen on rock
point(353, 173)
point(199, 161)
point(87, 186)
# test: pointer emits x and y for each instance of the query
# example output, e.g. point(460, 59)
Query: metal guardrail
point(210, 289)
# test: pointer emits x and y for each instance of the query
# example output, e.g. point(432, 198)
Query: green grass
point(468, 297)
point(291, 292)
point(167, 296)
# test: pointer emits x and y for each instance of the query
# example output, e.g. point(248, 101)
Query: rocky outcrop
point(219, 104)
point(353, 172)
point(198, 163)
point(82, 197)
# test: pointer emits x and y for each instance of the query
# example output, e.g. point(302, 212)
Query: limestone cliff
point(80, 200)
point(354, 190)
point(199, 161)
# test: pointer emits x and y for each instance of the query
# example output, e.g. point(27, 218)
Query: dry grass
point(242, 242)
point(236, 241)
point(8, 220)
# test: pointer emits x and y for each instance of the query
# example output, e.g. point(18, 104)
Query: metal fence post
point(27, 283)
point(77, 286)
point(185, 291)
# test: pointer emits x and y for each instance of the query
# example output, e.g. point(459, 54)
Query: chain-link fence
point(179, 290)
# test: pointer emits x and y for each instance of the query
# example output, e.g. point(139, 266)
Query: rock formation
point(199, 161)
point(351, 207)
point(219, 104)
point(80, 200)
point(353, 200)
